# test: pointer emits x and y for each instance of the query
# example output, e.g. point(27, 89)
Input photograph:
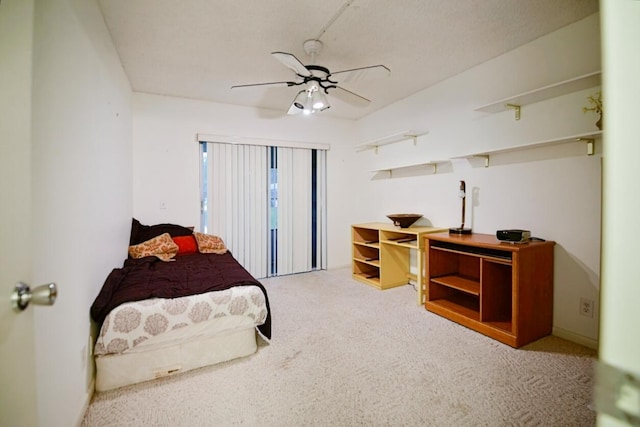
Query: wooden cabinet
point(381, 254)
point(499, 289)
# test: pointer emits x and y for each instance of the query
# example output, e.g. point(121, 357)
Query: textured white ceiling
point(200, 48)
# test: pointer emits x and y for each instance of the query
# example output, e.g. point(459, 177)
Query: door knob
point(40, 295)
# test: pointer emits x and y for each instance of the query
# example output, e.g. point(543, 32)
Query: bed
point(179, 302)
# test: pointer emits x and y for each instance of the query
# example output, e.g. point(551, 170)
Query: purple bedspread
point(148, 277)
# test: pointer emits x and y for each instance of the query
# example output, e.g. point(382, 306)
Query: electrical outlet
point(586, 307)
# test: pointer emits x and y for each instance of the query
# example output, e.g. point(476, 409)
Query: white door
point(17, 358)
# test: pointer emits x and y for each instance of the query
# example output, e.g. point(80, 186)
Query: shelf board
point(505, 325)
point(412, 244)
point(546, 92)
point(433, 163)
point(375, 245)
point(371, 281)
point(448, 305)
point(502, 257)
point(375, 262)
point(392, 139)
point(460, 283)
point(588, 138)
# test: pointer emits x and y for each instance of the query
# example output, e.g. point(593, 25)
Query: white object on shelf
point(551, 91)
point(391, 139)
point(589, 138)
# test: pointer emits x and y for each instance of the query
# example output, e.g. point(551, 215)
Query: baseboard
point(87, 401)
point(576, 338)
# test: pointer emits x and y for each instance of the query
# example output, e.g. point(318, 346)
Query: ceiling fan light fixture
point(319, 99)
point(300, 100)
point(309, 101)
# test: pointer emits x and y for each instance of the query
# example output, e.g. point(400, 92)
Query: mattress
point(119, 370)
point(153, 338)
point(157, 322)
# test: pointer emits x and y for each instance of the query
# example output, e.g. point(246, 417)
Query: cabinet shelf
point(565, 87)
point(367, 277)
point(466, 308)
point(413, 244)
point(458, 282)
point(485, 253)
point(372, 261)
point(368, 244)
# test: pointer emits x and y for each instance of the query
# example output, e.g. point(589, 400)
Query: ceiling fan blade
point(349, 97)
point(356, 75)
point(267, 84)
point(292, 62)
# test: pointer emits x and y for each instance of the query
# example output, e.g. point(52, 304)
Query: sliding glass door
point(267, 203)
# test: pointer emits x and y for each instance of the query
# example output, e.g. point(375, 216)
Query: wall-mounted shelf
point(515, 103)
point(391, 139)
point(589, 138)
point(431, 164)
point(551, 91)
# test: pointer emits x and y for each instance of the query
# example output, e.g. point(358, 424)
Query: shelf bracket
point(486, 159)
point(516, 108)
point(590, 147)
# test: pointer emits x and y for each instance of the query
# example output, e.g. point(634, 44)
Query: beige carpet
point(345, 354)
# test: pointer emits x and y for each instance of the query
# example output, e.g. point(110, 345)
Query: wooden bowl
point(404, 220)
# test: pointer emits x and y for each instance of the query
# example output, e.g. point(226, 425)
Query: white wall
point(166, 157)
point(82, 191)
point(553, 191)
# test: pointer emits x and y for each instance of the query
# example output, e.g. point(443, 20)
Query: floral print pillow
point(161, 246)
point(209, 244)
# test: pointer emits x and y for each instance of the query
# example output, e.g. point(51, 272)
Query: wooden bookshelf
point(381, 254)
point(499, 289)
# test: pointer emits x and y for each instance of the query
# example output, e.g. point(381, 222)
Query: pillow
point(161, 246)
point(141, 233)
point(209, 244)
point(186, 244)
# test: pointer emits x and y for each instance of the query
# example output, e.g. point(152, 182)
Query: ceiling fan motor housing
point(312, 48)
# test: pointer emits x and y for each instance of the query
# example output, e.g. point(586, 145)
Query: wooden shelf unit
point(381, 254)
point(502, 290)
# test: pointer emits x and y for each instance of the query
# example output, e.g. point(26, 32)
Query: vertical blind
point(236, 202)
point(267, 203)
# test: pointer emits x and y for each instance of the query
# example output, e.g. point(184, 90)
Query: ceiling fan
point(318, 80)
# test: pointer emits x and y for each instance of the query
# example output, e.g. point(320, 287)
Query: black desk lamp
point(463, 195)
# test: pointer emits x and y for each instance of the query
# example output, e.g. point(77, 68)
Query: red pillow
point(186, 244)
